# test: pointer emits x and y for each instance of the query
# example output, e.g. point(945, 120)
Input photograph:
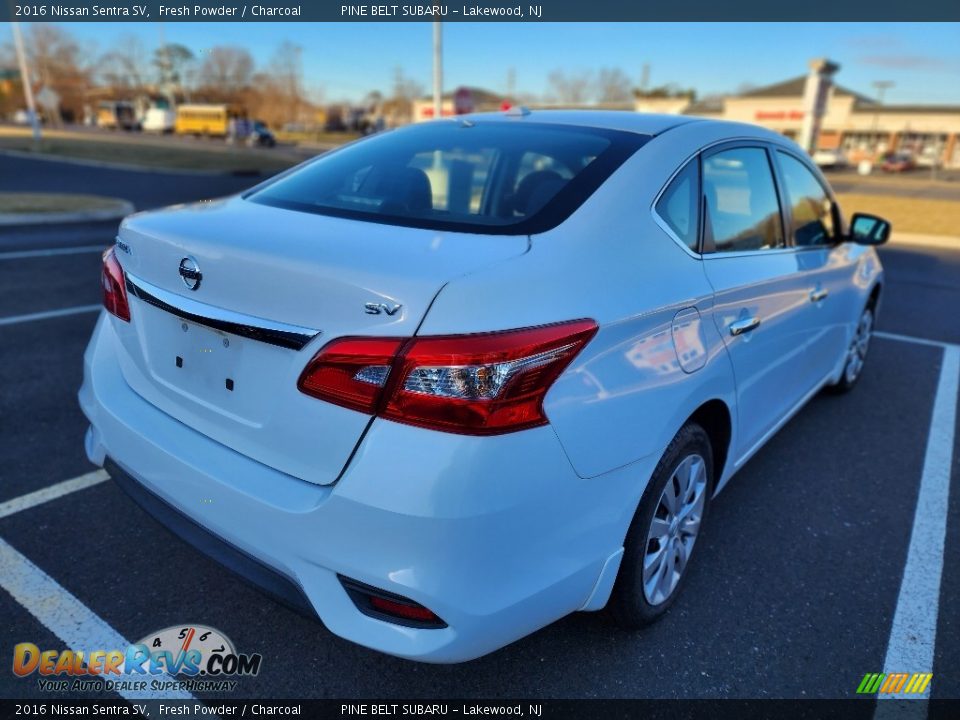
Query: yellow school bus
point(202, 120)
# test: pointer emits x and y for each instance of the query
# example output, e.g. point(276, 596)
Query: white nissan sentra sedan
point(446, 385)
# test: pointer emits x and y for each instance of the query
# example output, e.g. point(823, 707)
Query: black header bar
point(535, 11)
point(395, 709)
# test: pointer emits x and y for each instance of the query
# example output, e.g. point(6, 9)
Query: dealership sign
point(190, 651)
point(779, 115)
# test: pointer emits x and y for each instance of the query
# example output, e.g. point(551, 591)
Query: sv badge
point(381, 308)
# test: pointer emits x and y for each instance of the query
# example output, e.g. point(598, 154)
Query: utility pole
point(937, 156)
point(881, 86)
point(27, 86)
point(297, 83)
point(167, 82)
point(437, 69)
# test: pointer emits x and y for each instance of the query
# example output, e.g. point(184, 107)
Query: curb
point(122, 209)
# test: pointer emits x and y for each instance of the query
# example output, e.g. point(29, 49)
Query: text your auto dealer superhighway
point(202, 11)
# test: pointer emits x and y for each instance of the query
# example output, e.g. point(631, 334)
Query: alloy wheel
point(857, 354)
point(674, 529)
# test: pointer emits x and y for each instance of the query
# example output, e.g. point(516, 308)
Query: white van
point(159, 120)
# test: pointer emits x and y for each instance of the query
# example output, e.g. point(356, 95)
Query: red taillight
point(114, 286)
point(408, 611)
point(483, 384)
point(351, 372)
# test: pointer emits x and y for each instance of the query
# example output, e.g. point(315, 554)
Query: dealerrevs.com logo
point(203, 658)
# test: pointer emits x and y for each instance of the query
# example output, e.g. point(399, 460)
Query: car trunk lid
point(231, 299)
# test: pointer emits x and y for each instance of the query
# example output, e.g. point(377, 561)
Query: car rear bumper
point(497, 536)
point(276, 584)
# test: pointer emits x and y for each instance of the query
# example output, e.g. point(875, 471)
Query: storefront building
point(851, 122)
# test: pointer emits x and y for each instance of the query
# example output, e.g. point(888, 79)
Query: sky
point(343, 61)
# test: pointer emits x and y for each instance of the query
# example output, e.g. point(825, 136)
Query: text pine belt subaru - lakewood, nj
point(446, 385)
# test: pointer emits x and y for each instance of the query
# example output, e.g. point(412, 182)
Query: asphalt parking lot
point(793, 594)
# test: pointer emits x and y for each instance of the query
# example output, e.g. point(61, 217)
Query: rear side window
point(678, 206)
point(742, 210)
point(811, 209)
point(483, 177)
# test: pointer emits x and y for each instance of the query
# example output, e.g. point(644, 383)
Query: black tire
point(629, 605)
point(853, 368)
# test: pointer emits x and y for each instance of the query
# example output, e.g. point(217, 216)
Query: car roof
point(648, 124)
point(626, 120)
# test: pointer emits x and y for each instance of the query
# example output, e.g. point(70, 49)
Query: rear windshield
point(483, 177)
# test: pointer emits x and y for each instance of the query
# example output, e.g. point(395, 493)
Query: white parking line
point(913, 340)
point(15, 319)
point(68, 618)
point(50, 252)
point(52, 492)
point(914, 631)
point(59, 611)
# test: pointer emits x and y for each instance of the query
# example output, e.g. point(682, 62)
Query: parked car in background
point(117, 115)
point(253, 133)
point(898, 162)
point(930, 157)
point(261, 135)
point(453, 382)
point(830, 159)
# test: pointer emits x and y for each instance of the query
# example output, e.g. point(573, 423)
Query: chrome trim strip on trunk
point(283, 335)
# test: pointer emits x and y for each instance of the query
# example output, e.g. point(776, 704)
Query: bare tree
point(126, 66)
point(174, 63)
point(286, 70)
point(11, 92)
point(405, 88)
point(570, 89)
point(399, 106)
point(226, 72)
point(58, 62)
point(613, 85)
point(277, 95)
point(669, 90)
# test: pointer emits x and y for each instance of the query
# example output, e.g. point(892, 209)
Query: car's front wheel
point(856, 352)
point(664, 531)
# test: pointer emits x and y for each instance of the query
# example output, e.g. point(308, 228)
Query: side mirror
point(869, 229)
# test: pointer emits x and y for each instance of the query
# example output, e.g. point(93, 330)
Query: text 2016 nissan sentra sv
point(451, 383)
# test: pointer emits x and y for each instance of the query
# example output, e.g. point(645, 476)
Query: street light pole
point(437, 69)
point(881, 87)
point(25, 81)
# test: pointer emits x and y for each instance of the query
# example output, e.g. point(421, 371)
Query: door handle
point(818, 294)
point(744, 326)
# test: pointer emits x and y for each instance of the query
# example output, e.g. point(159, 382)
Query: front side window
point(810, 206)
point(742, 210)
point(679, 207)
point(483, 177)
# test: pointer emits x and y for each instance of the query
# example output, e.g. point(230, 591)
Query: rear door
point(760, 295)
